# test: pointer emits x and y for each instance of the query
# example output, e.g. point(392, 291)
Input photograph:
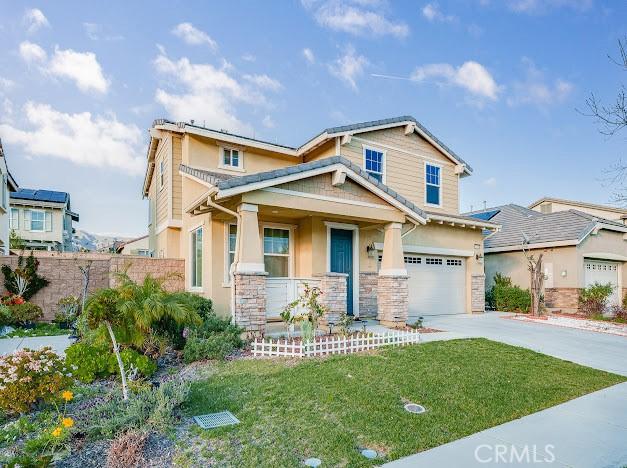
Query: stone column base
point(368, 281)
point(250, 302)
point(334, 289)
point(393, 300)
point(477, 293)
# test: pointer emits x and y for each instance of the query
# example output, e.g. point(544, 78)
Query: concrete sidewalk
point(588, 432)
point(57, 343)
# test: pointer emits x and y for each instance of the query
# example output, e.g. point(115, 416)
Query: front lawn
point(331, 408)
point(41, 329)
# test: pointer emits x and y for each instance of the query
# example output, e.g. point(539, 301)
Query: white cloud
point(205, 93)
point(34, 19)
point(7, 111)
point(264, 82)
point(358, 17)
point(249, 58)
point(194, 36)
point(536, 90)
point(31, 52)
point(80, 67)
point(471, 76)
point(541, 6)
point(6, 84)
point(490, 182)
point(309, 55)
point(268, 122)
point(349, 67)
point(94, 32)
point(432, 12)
point(99, 141)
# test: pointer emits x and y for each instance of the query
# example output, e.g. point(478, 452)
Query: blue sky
point(500, 82)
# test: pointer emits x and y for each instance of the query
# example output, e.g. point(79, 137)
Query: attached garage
point(596, 271)
point(437, 285)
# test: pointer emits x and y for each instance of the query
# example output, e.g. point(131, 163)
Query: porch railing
point(281, 291)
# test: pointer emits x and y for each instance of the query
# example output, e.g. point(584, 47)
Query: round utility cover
point(314, 462)
point(369, 453)
point(414, 408)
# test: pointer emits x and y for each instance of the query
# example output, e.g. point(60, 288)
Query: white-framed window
point(196, 258)
point(37, 220)
point(374, 163)
point(276, 251)
point(161, 174)
point(15, 218)
point(231, 240)
point(433, 184)
point(232, 158)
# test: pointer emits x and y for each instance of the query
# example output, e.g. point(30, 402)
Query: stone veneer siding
point(566, 299)
point(334, 291)
point(62, 271)
point(250, 302)
point(368, 282)
point(393, 300)
point(477, 291)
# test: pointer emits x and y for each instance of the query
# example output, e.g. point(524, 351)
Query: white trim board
point(349, 227)
point(327, 198)
point(421, 249)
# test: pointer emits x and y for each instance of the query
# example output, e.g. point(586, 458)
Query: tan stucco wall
point(130, 248)
point(601, 213)
point(169, 243)
point(405, 165)
point(163, 192)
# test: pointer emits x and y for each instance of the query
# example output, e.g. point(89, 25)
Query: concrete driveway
point(599, 350)
point(586, 432)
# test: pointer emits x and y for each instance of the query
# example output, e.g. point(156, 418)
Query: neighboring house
point(7, 185)
point(43, 219)
point(553, 205)
point(139, 246)
point(368, 212)
point(578, 250)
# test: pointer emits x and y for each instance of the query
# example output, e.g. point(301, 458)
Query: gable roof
point(299, 151)
point(597, 206)
point(45, 196)
point(553, 229)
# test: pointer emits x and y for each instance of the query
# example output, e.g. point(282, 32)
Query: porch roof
point(229, 183)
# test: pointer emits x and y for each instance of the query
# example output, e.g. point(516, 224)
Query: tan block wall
point(566, 299)
point(62, 271)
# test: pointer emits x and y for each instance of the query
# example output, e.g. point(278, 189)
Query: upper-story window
point(433, 185)
point(161, 174)
point(37, 220)
point(15, 218)
point(374, 162)
point(232, 159)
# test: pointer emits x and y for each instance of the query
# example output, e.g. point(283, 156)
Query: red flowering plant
point(30, 376)
point(12, 299)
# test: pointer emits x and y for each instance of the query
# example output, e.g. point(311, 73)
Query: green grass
point(41, 329)
point(329, 408)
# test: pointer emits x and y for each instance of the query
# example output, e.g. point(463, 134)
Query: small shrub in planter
point(28, 376)
point(26, 314)
point(215, 346)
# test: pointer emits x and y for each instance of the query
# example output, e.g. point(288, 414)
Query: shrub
point(24, 280)
point(91, 362)
point(198, 348)
point(67, 309)
point(28, 376)
point(593, 299)
point(127, 450)
point(6, 318)
point(148, 409)
point(26, 312)
point(506, 297)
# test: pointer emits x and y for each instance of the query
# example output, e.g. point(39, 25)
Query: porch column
point(249, 275)
point(392, 289)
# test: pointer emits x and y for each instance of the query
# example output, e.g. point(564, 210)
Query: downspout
point(410, 230)
point(213, 204)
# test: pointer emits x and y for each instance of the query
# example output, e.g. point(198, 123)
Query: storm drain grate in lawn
point(209, 421)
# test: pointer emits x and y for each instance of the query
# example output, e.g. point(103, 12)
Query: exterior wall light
point(564, 273)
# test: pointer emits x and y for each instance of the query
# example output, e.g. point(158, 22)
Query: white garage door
point(437, 285)
point(603, 272)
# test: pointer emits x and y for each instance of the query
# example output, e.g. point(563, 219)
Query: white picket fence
point(333, 345)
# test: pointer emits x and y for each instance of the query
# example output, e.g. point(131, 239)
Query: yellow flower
point(67, 395)
point(67, 422)
point(57, 432)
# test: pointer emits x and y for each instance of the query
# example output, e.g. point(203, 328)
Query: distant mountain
point(84, 240)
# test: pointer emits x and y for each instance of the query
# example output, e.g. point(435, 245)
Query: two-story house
point(368, 212)
point(43, 219)
point(7, 185)
point(547, 205)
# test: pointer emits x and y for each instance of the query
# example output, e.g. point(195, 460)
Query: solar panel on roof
point(40, 195)
point(486, 215)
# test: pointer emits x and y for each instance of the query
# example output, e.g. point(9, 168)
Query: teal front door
point(342, 260)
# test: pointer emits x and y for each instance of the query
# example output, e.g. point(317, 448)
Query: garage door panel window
point(453, 262)
point(434, 261)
